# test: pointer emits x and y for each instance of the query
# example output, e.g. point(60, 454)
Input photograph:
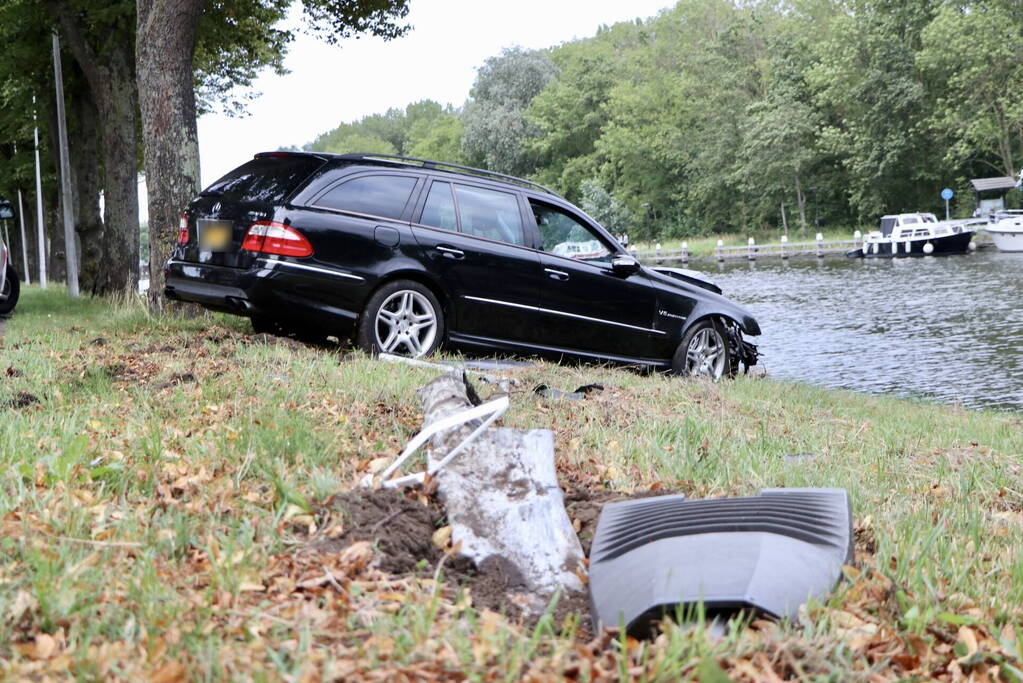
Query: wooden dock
point(818, 248)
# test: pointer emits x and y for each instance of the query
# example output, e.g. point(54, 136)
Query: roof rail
point(445, 166)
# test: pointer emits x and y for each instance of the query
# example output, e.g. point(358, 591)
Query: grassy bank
point(160, 481)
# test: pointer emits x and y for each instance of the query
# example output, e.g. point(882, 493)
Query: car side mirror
point(624, 265)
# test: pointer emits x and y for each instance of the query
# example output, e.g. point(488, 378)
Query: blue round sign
point(947, 194)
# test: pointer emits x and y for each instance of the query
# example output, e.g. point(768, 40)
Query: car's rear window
point(266, 180)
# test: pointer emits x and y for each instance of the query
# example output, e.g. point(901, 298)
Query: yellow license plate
point(214, 235)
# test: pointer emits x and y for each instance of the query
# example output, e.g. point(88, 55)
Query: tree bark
point(164, 48)
point(85, 175)
point(111, 79)
point(57, 258)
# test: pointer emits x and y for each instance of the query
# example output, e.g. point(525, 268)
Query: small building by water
point(991, 194)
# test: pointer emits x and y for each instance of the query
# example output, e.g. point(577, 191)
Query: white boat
point(916, 234)
point(1006, 229)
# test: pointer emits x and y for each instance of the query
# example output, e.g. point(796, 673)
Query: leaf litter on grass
point(180, 503)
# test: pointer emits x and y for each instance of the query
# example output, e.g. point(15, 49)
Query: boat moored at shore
point(916, 234)
point(1006, 230)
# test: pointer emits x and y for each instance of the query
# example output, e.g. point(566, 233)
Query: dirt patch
point(401, 528)
point(22, 399)
point(174, 380)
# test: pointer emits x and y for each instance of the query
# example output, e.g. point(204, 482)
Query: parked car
point(10, 288)
point(408, 254)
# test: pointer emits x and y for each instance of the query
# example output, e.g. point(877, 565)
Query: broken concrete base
point(502, 497)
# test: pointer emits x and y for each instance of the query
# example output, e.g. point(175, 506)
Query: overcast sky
point(437, 60)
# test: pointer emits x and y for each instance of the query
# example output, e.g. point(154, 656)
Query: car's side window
point(566, 236)
point(377, 195)
point(490, 213)
point(439, 210)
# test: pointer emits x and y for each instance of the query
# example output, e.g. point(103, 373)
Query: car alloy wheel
point(406, 324)
point(707, 354)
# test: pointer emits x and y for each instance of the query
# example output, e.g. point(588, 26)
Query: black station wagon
point(409, 254)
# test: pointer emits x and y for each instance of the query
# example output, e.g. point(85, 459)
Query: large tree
point(166, 38)
point(494, 117)
point(101, 37)
point(973, 53)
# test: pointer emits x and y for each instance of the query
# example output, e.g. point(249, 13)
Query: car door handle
point(556, 274)
point(451, 252)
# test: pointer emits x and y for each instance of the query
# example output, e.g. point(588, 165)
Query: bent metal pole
point(39, 206)
point(70, 250)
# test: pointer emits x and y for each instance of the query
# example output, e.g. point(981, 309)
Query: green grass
point(149, 520)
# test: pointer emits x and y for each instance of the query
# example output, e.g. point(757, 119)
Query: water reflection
point(948, 328)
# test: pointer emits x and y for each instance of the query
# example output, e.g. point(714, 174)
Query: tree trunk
point(85, 174)
point(165, 45)
point(57, 257)
point(801, 203)
point(784, 220)
point(111, 79)
point(120, 172)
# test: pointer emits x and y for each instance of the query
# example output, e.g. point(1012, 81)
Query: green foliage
point(605, 208)
point(496, 127)
point(974, 56)
point(439, 138)
point(423, 128)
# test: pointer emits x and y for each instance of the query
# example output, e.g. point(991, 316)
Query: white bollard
point(657, 248)
point(820, 245)
point(784, 243)
point(752, 249)
point(720, 250)
point(685, 252)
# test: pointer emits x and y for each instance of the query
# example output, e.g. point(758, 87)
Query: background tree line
point(720, 115)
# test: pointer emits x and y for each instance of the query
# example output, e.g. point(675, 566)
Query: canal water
point(948, 329)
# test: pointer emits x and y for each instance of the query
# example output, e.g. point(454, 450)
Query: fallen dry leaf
point(442, 536)
point(172, 672)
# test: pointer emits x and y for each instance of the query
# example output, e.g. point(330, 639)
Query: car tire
point(705, 352)
point(12, 288)
point(402, 317)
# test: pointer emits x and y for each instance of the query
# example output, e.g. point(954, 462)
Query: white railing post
point(685, 252)
point(784, 243)
point(657, 248)
point(752, 249)
point(720, 250)
point(820, 245)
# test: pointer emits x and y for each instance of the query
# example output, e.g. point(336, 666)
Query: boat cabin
point(905, 226)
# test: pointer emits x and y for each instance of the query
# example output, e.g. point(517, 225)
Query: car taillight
point(268, 237)
point(183, 230)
